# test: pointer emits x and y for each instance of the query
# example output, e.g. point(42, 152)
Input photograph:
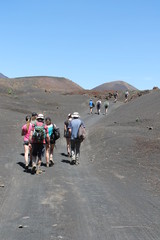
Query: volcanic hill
point(2, 76)
point(38, 83)
point(115, 86)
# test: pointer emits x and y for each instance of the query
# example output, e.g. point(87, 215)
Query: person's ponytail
point(28, 119)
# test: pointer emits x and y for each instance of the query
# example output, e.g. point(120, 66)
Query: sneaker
point(33, 170)
point(39, 171)
point(51, 163)
point(73, 157)
point(26, 168)
point(73, 162)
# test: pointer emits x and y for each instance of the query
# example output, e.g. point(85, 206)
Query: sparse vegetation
point(10, 91)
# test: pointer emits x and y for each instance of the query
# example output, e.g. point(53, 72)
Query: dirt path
point(74, 203)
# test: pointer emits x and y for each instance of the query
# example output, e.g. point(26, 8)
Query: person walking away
point(91, 105)
point(33, 121)
point(26, 129)
point(34, 117)
point(106, 105)
point(115, 96)
point(67, 134)
point(126, 96)
point(50, 145)
point(38, 137)
point(75, 142)
point(98, 104)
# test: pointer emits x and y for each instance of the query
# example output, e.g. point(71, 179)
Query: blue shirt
point(50, 129)
point(74, 126)
point(90, 103)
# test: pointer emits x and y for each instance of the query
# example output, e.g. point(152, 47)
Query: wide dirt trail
point(73, 202)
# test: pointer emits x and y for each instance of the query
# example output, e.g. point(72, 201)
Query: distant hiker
point(50, 145)
point(98, 105)
point(33, 121)
point(34, 116)
point(106, 105)
point(126, 96)
point(115, 96)
point(38, 137)
point(91, 106)
point(75, 141)
point(26, 129)
point(67, 134)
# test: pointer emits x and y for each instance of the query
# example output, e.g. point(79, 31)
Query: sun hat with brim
point(75, 115)
point(40, 116)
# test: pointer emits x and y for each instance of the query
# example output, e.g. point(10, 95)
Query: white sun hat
point(40, 116)
point(75, 115)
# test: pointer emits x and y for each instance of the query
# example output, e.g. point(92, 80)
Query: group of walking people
point(40, 136)
point(126, 95)
point(37, 132)
point(98, 106)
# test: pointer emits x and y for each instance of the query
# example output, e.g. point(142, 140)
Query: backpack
point(55, 134)
point(106, 104)
point(39, 133)
point(81, 133)
point(98, 104)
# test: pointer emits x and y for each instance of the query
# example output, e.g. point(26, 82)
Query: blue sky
point(90, 42)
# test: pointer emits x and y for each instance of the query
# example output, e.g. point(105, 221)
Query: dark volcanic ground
point(113, 194)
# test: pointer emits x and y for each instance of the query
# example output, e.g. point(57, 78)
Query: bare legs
point(68, 141)
point(49, 154)
point(26, 151)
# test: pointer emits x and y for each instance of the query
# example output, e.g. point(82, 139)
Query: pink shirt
point(26, 132)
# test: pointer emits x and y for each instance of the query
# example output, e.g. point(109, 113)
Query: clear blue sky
point(90, 42)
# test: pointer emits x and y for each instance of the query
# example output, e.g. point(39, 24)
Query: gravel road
point(95, 200)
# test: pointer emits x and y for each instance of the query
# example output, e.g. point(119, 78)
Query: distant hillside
point(2, 76)
point(115, 86)
point(52, 84)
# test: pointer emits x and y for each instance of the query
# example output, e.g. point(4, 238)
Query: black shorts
point(26, 143)
point(52, 141)
point(38, 149)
